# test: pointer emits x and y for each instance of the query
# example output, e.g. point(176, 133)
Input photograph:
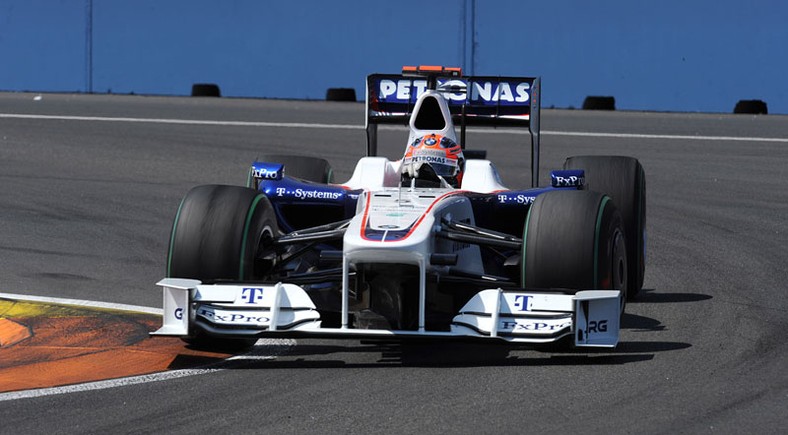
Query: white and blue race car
point(430, 245)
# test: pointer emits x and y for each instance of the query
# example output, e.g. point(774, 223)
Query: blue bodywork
point(303, 204)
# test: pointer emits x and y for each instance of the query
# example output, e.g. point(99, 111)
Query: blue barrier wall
point(670, 55)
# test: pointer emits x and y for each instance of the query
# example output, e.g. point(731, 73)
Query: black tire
point(574, 240)
point(623, 180)
point(303, 167)
point(217, 233)
point(215, 236)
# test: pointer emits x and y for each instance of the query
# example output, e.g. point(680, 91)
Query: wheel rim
point(265, 259)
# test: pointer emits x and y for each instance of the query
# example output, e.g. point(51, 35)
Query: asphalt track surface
point(86, 202)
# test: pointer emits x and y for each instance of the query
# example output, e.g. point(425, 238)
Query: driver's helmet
point(441, 153)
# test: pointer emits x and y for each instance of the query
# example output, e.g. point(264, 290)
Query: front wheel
point(624, 181)
point(217, 235)
point(574, 240)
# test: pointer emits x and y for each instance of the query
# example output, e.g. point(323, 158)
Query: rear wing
point(473, 101)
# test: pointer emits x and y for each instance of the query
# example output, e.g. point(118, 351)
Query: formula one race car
point(430, 245)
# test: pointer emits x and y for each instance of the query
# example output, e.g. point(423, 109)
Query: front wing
point(282, 310)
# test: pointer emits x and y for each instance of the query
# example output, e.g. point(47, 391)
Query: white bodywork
point(591, 317)
point(397, 225)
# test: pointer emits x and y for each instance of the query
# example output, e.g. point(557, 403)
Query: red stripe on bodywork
point(365, 219)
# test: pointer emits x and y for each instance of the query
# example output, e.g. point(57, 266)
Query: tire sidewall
point(573, 240)
point(216, 233)
point(623, 179)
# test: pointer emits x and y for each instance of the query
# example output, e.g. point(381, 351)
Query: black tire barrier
point(341, 94)
point(753, 107)
point(206, 90)
point(599, 103)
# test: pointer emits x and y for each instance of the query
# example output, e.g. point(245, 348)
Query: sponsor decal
point(569, 178)
point(401, 89)
point(234, 318)
point(481, 92)
point(303, 194)
point(267, 171)
point(429, 152)
point(595, 326)
point(523, 302)
point(567, 181)
point(430, 159)
point(533, 325)
point(252, 295)
point(515, 198)
point(178, 313)
point(316, 194)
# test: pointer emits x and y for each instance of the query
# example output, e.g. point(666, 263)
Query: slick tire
point(306, 168)
point(574, 240)
point(217, 233)
point(624, 181)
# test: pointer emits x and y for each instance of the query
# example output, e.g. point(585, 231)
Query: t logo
point(523, 302)
point(251, 295)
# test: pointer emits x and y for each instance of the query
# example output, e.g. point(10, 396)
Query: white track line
point(83, 303)
point(361, 127)
point(264, 349)
point(667, 136)
point(101, 385)
point(183, 121)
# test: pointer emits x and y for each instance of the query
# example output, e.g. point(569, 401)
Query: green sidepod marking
point(525, 235)
point(246, 233)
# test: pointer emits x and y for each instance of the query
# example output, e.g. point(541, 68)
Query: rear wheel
point(623, 179)
point(574, 240)
point(216, 236)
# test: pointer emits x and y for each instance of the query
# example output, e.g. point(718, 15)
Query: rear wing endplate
point(473, 101)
